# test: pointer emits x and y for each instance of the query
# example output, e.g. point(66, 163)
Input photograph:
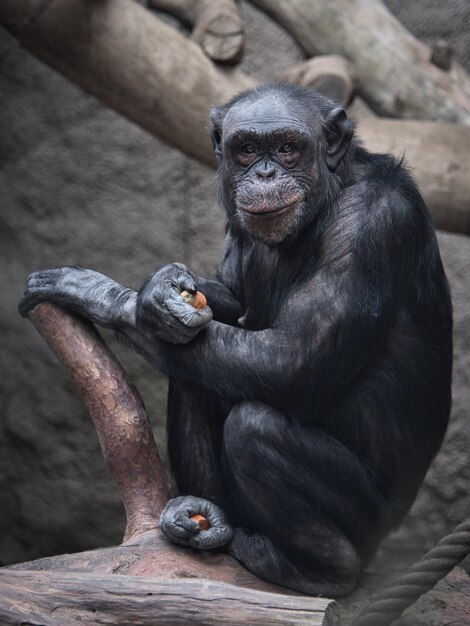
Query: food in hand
point(196, 300)
point(200, 520)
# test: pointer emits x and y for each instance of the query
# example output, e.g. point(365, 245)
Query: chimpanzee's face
point(276, 155)
point(270, 166)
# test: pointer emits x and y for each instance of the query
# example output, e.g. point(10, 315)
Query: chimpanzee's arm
point(328, 329)
point(325, 333)
point(107, 303)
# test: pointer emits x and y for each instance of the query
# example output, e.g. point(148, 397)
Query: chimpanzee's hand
point(162, 311)
point(176, 523)
point(83, 291)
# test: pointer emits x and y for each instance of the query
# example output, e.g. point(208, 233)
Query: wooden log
point(437, 156)
point(219, 30)
point(65, 599)
point(331, 75)
point(216, 25)
point(131, 60)
point(117, 411)
point(394, 69)
point(150, 73)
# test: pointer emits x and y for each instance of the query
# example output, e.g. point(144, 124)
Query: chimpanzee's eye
point(286, 148)
point(247, 148)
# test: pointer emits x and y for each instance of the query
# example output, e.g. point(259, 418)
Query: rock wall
point(81, 185)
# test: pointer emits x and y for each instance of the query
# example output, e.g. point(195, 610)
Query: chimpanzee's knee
point(249, 426)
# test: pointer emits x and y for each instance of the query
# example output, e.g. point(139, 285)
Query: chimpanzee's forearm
point(230, 361)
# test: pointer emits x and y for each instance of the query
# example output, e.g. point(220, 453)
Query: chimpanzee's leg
point(305, 502)
point(195, 424)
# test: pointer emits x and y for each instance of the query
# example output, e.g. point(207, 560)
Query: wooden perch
point(217, 25)
point(117, 411)
point(69, 599)
point(159, 79)
point(394, 69)
point(146, 580)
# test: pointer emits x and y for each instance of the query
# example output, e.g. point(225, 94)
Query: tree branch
point(117, 411)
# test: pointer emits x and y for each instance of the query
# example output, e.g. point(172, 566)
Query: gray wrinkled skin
point(176, 523)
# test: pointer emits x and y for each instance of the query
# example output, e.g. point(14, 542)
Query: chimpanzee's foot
point(176, 523)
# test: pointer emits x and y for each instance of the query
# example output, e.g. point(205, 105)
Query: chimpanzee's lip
point(268, 214)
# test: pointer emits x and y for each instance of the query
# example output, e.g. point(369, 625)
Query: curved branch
point(117, 411)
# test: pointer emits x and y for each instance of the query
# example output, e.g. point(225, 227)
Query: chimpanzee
point(308, 399)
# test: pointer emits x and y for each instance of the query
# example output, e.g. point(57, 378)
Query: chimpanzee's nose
point(265, 170)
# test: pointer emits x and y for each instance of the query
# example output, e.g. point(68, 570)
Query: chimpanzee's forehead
point(269, 110)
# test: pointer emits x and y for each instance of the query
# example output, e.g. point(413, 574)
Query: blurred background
point(80, 184)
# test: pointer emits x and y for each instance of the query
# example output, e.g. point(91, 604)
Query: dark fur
point(356, 360)
point(313, 419)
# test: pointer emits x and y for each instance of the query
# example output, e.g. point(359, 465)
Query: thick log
point(331, 75)
point(217, 25)
point(66, 599)
point(219, 30)
point(394, 69)
point(156, 77)
point(134, 62)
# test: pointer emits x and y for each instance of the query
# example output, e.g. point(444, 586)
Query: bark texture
point(117, 411)
point(217, 25)
point(396, 75)
point(67, 599)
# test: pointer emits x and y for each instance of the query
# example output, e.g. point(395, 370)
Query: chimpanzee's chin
point(270, 231)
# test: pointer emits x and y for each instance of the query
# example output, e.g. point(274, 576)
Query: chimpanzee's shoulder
point(388, 190)
point(384, 174)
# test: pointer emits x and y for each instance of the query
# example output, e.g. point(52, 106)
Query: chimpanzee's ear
point(217, 117)
point(338, 132)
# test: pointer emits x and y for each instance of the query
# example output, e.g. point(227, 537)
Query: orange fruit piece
point(197, 300)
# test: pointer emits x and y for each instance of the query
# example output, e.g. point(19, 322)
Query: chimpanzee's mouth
point(267, 214)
